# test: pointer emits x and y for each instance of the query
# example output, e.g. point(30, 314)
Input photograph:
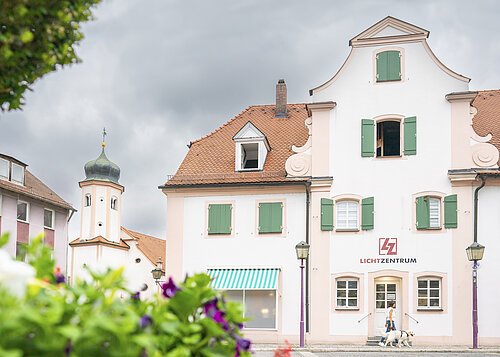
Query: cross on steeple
point(103, 137)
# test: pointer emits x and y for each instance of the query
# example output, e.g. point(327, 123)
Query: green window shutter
point(367, 138)
point(393, 65)
point(410, 133)
point(270, 217)
point(382, 66)
point(450, 212)
point(326, 214)
point(422, 211)
point(367, 212)
point(219, 219)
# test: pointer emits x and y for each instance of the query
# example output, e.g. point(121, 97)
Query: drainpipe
point(476, 199)
point(308, 203)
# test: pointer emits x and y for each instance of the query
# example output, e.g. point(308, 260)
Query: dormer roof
point(389, 30)
point(211, 159)
point(250, 133)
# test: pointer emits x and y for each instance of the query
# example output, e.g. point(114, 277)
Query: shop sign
point(388, 251)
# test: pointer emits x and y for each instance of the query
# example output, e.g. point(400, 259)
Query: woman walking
point(389, 321)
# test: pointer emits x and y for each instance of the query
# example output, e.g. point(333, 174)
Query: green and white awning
point(244, 279)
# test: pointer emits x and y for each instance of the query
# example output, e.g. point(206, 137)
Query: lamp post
point(475, 252)
point(302, 250)
point(158, 272)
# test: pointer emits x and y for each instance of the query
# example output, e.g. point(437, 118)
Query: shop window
point(219, 218)
point(259, 307)
point(270, 217)
point(388, 66)
point(347, 293)
point(429, 293)
point(48, 218)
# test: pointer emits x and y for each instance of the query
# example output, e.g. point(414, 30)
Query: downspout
point(72, 211)
point(308, 203)
point(476, 199)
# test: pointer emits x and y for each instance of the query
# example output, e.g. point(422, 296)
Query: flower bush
point(42, 316)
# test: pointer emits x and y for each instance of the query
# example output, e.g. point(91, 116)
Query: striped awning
point(239, 279)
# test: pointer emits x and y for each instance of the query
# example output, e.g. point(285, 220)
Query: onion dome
point(102, 169)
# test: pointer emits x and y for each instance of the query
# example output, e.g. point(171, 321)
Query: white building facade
point(383, 184)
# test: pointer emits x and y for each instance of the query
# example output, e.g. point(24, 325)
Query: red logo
point(388, 246)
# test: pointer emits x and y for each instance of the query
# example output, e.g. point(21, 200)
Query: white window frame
point(27, 211)
point(347, 202)
point(14, 165)
point(346, 289)
point(53, 218)
point(428, 289)
point(88, 200)
point(243, 302)
point(437, 202)
point(8, 169)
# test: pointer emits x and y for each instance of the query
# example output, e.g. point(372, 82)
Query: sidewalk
point(362, 348)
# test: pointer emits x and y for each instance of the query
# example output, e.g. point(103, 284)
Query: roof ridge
point(142, 234)
point(488, 90)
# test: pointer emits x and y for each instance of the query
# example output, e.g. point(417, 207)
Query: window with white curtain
point(347, 215)
point(434, 212)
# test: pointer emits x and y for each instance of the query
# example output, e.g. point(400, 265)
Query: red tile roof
point(211, 159)
point(150, 246)
point(487, 119)
point(36, 189)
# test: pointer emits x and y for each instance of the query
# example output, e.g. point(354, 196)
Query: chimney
point(281, 99)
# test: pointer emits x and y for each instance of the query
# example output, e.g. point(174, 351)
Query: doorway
point(387, 290)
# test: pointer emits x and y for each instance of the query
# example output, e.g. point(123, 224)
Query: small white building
point(378, 174)
point(28, 207)
point(103, 242)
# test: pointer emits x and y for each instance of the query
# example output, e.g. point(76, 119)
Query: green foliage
point(99, 317)
point(37, 36)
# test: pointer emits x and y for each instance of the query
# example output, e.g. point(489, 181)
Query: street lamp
point(158, 272)
point(475, 252)
point(302, 250)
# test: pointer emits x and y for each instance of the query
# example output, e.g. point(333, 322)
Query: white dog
point(402, 336)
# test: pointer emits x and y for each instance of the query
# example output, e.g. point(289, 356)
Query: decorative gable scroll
point(299, 164)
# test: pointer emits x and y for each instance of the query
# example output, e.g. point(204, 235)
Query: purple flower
point(68, 348)
point(243, 343)
point(146, 320)
point(169, 288)
point(59, 276)
point(136, 296)
point(212, 310)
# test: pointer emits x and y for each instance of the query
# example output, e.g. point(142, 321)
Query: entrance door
point(386, 291)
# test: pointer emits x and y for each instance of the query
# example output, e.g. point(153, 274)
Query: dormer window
point(4, 169)
point(18, 173)
point(250, 156)
point(251, 148)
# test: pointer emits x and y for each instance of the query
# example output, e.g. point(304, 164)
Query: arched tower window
point(88, 200)
point(114, 202)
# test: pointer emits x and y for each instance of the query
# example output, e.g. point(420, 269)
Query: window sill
point(389, 157)
point(49, 228)
point(249, 170)
point(338, 308)
point(430, 309)
point(430, 229)
point(388, 80)
point(21, 221)
point(347, 230)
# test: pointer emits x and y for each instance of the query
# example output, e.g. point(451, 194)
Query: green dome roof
point(102, 169)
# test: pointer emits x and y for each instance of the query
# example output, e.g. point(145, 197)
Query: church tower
point(101, 199)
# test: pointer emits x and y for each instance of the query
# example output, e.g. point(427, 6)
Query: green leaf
point(26, 36)
point(4, 238)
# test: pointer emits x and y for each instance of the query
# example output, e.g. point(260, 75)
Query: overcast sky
point(158, 74)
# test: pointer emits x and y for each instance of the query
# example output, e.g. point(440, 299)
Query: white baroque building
point(379, 174)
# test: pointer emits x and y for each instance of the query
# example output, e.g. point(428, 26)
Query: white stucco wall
point(488, 235)
point(246, 248)
point(391, 181)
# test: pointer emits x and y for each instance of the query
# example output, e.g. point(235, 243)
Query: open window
point(250, 156)
point(388, 138)
point(429, 212)
point(251, 148)
point(88, 200)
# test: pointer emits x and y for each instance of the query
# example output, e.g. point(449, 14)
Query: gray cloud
point(158, 74)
